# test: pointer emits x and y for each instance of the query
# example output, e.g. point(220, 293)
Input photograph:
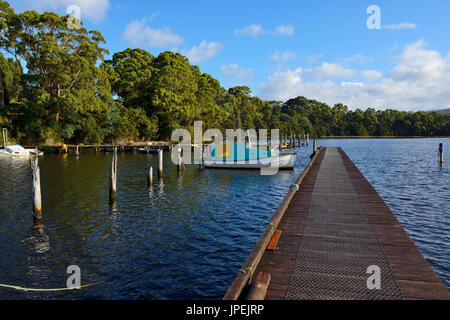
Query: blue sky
point(281, 49)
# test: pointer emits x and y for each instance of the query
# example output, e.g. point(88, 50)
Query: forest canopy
point(56, 86)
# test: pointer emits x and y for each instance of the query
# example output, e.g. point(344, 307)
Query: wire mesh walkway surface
point(335, 228)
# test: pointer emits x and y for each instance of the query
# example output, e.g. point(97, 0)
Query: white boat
point(240, 156)
point(19, 151)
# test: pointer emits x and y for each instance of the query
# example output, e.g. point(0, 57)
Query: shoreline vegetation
point(154, 144)
point(57, 87)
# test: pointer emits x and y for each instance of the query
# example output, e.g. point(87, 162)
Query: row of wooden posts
point(295, 140)
point(36, 189)
point(36, 183)
point(113, 172)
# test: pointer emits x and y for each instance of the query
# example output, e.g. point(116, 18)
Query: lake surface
point(188, 236)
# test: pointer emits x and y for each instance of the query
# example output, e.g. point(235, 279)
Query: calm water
point(188, 236)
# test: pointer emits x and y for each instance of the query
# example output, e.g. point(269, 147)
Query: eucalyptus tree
point(59, 64)
point(174, 85)
point(130, 73)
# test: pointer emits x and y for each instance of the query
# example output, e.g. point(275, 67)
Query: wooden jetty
point(129, 147)
point(104, 147)
point(328, 236)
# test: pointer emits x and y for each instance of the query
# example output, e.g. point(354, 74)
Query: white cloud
point(371, 75)
point(203, 52)
point(329, 71)
point(350, 83)
point(283, 57)
point(236, 72)
point(286, 30)
point(90, 9)
point(399, 26)
point(281, 85)
point(255, 30)
point(138, 34)
point(418, 81)
point(418, 64)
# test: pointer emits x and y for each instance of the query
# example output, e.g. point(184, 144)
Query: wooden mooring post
point(4, 137)
point(113, 178)
point(36, 191)
point(150, 177)
point(77, 152)
point(160, 163)
point(441, 153)
point(179, 164)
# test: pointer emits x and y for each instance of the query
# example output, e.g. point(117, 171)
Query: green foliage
point(91, 131)
point(339, 121)
point(129, 74)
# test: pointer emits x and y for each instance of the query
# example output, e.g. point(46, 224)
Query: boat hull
point(22, 153)
point(6, 154)
point(284, 161)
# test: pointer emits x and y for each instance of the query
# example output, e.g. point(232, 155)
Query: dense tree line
point(56, 86)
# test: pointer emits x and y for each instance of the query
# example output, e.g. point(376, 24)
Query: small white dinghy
point(19, 151)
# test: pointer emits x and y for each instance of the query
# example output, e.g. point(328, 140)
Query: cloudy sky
point(323, 50)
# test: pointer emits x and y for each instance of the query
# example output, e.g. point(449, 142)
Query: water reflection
point(114, 219)
point(160, 187)
point(37, 241)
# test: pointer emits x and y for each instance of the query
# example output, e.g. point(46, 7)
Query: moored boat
point(241, 156)
point(19, 151)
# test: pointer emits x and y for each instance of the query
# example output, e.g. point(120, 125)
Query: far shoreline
point(164, 143)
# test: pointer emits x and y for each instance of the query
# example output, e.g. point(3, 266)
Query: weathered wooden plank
point(274, 240)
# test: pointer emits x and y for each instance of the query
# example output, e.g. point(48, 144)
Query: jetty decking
point(325, 236)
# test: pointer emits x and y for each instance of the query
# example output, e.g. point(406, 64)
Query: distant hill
point(442, 111)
